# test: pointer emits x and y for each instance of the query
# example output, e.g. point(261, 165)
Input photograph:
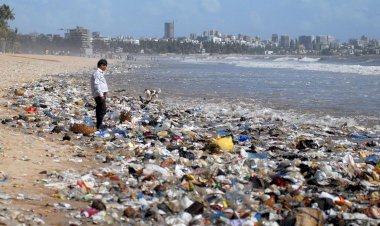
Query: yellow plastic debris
point(224, 143)
point(59, 196)
point(224, 203)
point(190, 177)
point(162, 134)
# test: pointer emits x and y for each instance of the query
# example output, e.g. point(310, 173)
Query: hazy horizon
point(145, 18)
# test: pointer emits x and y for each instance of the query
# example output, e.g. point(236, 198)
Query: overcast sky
point(145, 18)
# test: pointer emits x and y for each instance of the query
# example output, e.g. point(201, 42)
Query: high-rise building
point(306, 41)
point(285, 41)
point(331, 39)
point(275, 38)
point(321, 39)
point(293, 43)
point(322, 42)
point(80, 37)
point(193, 36)
point(169, 30)
point(364, 40)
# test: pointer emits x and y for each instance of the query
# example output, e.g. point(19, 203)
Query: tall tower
point(307, 41)
point(275, 38)
point(285, 41)
point(169, 30)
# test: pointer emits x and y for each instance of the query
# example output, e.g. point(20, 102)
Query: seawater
point(340, 87)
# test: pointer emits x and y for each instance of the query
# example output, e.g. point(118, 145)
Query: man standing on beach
point(99, 90)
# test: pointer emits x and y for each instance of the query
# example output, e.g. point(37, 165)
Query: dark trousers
point(101, 110)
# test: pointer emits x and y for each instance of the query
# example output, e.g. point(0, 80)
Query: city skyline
point(343, 19)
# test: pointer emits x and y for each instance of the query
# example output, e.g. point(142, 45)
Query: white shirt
point(98, 83)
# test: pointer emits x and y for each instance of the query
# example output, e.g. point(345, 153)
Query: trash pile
point(171, 163)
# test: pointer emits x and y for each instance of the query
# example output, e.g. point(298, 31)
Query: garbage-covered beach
point(169, 161)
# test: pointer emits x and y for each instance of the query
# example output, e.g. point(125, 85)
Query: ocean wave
point(299, 59)
point(283, 59)
point(305, 64)
point(261, 114)
point(336, 68)
point(309, 59)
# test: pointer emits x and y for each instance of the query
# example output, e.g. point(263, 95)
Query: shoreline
point(158, 166)
point(290, 109)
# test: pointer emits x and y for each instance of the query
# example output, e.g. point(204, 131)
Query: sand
point(24, 156)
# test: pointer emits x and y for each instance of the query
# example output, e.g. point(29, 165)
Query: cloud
point(211, 6)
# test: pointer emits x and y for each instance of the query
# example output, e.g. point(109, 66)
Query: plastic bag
point(224, 143)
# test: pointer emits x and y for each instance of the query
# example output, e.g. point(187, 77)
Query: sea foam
point(305, 64)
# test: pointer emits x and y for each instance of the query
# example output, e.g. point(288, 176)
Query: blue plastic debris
point(88, 122)
point(358, 136)
point(4, 180)
point(243, 138)
point(101, 133)
point(140, 196)
point(258, 216)
point(49, 114)
point(373, 159)
point(120, 131)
